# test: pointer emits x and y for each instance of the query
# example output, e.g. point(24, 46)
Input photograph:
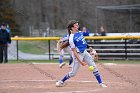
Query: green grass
point(56, 61)
point(37, 47)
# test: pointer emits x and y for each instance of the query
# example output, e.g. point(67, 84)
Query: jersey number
point(83, 40)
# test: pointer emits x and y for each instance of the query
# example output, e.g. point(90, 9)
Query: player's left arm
point(77, 57)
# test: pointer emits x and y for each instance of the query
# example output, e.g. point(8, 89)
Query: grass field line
point(84, 91)
point(43, 63)
point(66, 91)
point(78, 81)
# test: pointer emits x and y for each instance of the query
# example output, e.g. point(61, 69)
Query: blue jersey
point(77, 41)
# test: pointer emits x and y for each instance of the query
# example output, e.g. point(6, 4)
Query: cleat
point(61, 65)
point(103, 85)
point(60, 84)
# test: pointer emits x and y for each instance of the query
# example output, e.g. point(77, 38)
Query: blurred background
point(44, 18)
point(49, 17)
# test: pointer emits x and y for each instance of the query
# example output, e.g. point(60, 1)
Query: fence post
point(17, 50)
point(49, 49)
point(125, 49)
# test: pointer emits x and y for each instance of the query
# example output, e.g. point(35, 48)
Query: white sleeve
point(71, 41)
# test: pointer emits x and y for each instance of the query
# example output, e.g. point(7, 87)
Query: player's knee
point(95, 68)
point(72, 74)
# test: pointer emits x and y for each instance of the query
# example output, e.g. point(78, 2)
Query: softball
point(91, 68)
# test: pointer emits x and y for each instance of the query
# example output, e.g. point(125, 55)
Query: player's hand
point(83, 63)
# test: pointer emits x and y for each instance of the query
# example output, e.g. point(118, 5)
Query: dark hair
point(70, 25)
point(69, 31)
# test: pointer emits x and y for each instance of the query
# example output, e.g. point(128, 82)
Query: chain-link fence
point(123, 47)
point(32, 50)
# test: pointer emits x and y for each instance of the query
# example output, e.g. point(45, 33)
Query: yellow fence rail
point(89, 38)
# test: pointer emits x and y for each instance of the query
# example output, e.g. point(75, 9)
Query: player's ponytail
point(69, 31)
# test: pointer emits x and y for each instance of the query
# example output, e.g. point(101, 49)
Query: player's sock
point(70, 61)
point(61, 59)
point(65, 78)
point(98, 77)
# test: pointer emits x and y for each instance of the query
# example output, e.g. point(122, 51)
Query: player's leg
point(5, 54)
point(72, 73)
point(69, 75)
point(68, 50)
point(70, 61)
point(61, 56)
point(90, 62)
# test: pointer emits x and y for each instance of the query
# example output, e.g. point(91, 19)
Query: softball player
point(79, 54)
point(61, 52)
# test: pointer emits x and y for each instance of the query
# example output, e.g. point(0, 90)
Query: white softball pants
point(85, 56)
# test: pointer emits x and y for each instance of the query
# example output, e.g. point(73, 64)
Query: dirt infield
point(41, 78)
